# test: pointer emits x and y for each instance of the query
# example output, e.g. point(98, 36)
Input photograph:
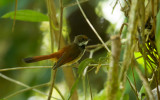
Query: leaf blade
point(27, 15)
point(157, 35)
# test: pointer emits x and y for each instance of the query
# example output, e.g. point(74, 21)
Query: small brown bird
point(66, 56)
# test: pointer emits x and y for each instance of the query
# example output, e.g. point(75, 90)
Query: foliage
point(27, 15)
point(81, 68)
point(157, 37)
point(141, 50)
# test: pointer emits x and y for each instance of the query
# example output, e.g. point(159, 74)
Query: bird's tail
point(37, 58)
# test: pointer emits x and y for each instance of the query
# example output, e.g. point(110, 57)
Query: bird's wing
point(68, 56)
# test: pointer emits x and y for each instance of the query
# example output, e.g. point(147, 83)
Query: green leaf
point(141, 60)
point(83, 65)
point(27, 15)
point(126, 97)
point(157, 36)
point(81, 68)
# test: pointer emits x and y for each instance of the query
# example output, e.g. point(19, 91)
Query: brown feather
point(54, 56)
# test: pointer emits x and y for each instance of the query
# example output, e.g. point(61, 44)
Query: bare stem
point(145, 83)
point(27, 89)
point(112, 80)
point(89, 23)
point(20, 68)
point(15, 10)
point(75, 3)
point(52, 83)
point(21, 84)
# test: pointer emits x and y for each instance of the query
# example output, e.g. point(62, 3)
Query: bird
point(68, 55)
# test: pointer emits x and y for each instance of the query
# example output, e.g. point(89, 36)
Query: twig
point(133, 87)
point(29, 88)
point(114, 5)
point(97, 46)
point(134, 83)
point(21, 84)
point(20, 68)
point(156, 79)
point(153, 16)
point(14, 21)
point(75, 3)
point(59, 92)
point(89, 23)
point(60, 33)
point(52, 83)
point(145, 83)
point(130, 45)
point(61, 22)
point(120, 32)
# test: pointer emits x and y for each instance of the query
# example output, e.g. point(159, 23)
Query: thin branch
point(133, 87)
point(15, 10)
point(114, 5)
point(134, 83)
point(89, 23)
point(130, 45)
point(97, 46)
point(21, 84)
point(60, 33)
point(52, 83)
point(120, 32)
point(75, 3)
point(145, 83)
point(61, 23)
point(59, 92)
point(153, 16)
point(20, 68)
point(27, 89)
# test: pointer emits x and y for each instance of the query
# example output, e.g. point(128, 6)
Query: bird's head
point(81, 40)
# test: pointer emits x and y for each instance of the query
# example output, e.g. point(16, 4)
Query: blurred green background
point(33, 38)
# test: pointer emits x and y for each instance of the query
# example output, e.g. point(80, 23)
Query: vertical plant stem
point(133, 88)
point(134, 81)
point(53, 22)
point(90, 89)
point(130, 45)
point(112, 80)
point(52, 83)
point(61, 22)
point(15, 10)
point(145, 83)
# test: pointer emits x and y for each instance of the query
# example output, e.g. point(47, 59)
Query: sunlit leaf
point(140, 60)
point(102, 95)
point(27, 15)
point(157, 36)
